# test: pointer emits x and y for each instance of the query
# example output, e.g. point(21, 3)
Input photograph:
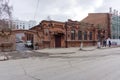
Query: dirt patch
point(21, 55)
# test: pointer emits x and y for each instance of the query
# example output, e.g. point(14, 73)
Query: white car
point(28, 43)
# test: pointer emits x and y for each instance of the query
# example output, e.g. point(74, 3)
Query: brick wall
point(99, 18)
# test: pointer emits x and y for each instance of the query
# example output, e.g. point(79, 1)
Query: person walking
point(109, 42)
point(104, 43)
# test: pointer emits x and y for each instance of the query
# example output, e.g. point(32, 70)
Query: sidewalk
point(65, 50)
point(58, 50)
point(71, 49)
point(90, 48)
point(107, 47)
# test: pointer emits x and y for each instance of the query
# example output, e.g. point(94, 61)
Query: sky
point(59, 10)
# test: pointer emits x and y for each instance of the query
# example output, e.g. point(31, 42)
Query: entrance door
point(57, 41)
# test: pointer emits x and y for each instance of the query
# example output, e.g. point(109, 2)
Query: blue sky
point(60, 10)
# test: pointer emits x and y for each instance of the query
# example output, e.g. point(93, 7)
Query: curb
point(88, 50)
point(100, 48)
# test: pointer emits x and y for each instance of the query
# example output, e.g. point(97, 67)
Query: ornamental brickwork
point(54, 34)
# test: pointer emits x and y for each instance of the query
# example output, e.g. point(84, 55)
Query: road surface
point(21, 47)
point(98, 64)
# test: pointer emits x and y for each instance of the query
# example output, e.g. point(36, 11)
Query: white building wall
point(24, 24)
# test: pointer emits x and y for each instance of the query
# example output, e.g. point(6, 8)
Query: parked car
point(28, 44)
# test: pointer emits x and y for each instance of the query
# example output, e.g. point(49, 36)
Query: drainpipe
point(81, 44)
point(66, 33)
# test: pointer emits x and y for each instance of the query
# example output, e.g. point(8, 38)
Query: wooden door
point(57, 41)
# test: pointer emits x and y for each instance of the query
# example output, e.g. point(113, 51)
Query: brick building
point(54, 34)
point(100, 20)
point(109, 21)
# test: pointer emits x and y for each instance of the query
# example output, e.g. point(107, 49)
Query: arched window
point(79, 35)
point(85, 35)
point(90, 36)
point(72, 34)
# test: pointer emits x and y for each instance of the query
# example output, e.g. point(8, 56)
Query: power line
point(36, 9)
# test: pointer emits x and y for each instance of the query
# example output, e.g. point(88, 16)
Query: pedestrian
point(104, 43)
point(109, 42)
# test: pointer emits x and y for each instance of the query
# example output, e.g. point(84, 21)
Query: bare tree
point(5, 14)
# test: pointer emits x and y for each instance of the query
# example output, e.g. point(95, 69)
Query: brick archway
point(24, 31)
point(28, 35)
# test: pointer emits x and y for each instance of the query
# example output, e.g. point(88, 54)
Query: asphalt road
point(103, 64)
point(21, 47)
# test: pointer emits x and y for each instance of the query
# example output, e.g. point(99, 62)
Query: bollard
point(81, 46)
point(98, 45)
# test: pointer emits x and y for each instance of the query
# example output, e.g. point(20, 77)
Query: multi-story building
point(101, 21)
point(109, 21)
point(24, 24)
point(115, 24)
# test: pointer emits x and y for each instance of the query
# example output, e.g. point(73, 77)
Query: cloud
point(73, 9)
point(60, 10)
point(107, 4)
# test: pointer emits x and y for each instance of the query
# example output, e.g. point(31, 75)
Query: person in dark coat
point(104, 43)
point(109, 43)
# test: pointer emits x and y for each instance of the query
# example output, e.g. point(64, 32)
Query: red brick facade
point(55, 34)
point(102, 19)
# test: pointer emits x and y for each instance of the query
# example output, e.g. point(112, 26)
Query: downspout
point(66, 34)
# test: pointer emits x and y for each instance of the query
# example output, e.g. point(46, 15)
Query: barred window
point(73, 35)
point(85, 35)
point(79, 35)
point(90, 35)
